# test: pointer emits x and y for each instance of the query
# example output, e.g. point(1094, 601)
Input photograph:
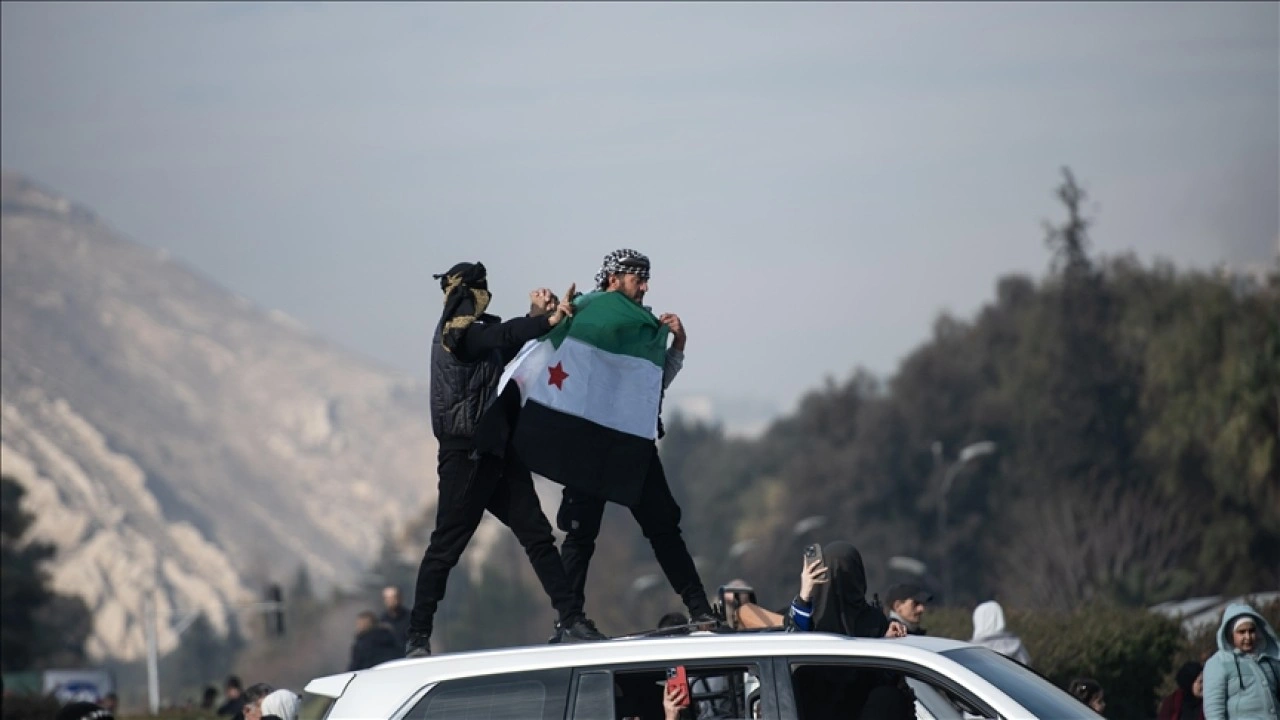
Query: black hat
point(902, 591)
point(472, 275)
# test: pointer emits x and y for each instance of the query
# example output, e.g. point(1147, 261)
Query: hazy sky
point(813, 182)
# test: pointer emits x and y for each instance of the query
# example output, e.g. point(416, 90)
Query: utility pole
point(153, 661)
point(978, 449)
point(185, 621)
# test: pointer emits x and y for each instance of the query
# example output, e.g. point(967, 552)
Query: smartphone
point(676, 678)
point(811, 553)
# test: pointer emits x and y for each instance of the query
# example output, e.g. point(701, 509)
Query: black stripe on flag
point(582, 455)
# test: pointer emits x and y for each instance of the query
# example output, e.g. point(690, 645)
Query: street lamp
point(976, 450)
point(809, 524)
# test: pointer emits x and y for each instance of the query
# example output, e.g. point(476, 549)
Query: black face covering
point(840, 604)
point(466, 296)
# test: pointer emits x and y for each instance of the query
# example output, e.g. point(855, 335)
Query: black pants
point(504, 487)
point(659, 518)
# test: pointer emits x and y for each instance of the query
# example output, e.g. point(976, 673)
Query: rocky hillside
point(175, 438)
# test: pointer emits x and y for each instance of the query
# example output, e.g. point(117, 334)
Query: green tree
point(1137, 414)
point(39, 626)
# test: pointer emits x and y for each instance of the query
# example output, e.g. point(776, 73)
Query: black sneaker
point(707, 621)
point(417, 646)
point(579, 631)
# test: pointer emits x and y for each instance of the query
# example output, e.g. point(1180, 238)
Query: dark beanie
point(465, 274)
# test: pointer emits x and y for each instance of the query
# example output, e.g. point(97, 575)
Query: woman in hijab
point(833, 597)
point(989, 630)
point(282, 704)
point(1185, 703)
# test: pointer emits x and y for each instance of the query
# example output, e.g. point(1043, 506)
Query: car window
point(1039, 696)
point(852, 689)
point(726, 691)
point(933, 702)
point(511, 696)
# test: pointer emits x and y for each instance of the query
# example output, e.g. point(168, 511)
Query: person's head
point(232, 688)
point(908, 601)
point(1089, 692)
point(846, 574)
point(988, 619)
point(366, 621)
point(83, 711)
point(253, 700)
point(282, 704)
point(391, 597)
point(111, 702)
point(1244, 633)
point(473, 276)
point(672, 619)
point(625, 271)
point(209, 698)
point(1188, 676)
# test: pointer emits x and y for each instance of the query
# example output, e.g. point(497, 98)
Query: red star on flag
point(558, 376)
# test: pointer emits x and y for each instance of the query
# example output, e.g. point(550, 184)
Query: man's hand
point(672, 321)
point(541, 302)
point(896, 630)
point(564, 307)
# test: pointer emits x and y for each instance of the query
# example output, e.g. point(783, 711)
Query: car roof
point(393, 682)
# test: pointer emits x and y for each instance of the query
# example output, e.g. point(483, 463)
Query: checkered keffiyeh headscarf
point(620, 262)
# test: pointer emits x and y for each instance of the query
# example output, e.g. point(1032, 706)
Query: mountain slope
point(171, 435)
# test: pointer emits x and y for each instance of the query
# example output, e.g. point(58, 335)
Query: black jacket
point(373, 647)
point(232, 707)
point(399, 624)
point(463, 382)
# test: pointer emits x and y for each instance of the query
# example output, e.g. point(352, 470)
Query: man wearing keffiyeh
point(468, 351)
point(626, 271)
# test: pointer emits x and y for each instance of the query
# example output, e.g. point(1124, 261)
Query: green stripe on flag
point(615, 324)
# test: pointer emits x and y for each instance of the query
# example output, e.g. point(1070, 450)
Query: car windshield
point(1041, 697)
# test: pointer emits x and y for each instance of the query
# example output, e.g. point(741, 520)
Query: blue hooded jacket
point(1239, 686)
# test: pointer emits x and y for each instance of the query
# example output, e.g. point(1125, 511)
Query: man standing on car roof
point(468, 352)
point(627, 272)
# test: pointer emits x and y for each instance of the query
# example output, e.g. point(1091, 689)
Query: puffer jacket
point(1240, 686)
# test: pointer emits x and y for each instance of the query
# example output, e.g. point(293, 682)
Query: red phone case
point(681, 680)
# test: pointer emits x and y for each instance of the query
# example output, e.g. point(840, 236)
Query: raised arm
point(675, 354)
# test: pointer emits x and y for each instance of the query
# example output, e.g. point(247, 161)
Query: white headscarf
point(988, 619)
point(281, 703)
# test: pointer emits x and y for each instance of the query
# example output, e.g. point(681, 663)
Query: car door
point(820, 687)
point(720, 688)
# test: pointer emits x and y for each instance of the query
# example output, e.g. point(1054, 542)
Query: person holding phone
point(675, 695)
point(832, 597)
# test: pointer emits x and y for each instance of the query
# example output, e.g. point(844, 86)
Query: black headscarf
point(1186, 677)
point(840, 605)
point(466, 296)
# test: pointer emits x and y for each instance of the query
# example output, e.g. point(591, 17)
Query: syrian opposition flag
point(589, 394)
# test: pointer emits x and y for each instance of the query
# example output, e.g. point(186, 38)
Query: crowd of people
point(257, 702)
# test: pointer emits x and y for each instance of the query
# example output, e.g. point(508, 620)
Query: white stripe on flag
point(620, 392)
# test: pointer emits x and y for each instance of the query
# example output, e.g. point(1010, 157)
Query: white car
point(780, 676)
